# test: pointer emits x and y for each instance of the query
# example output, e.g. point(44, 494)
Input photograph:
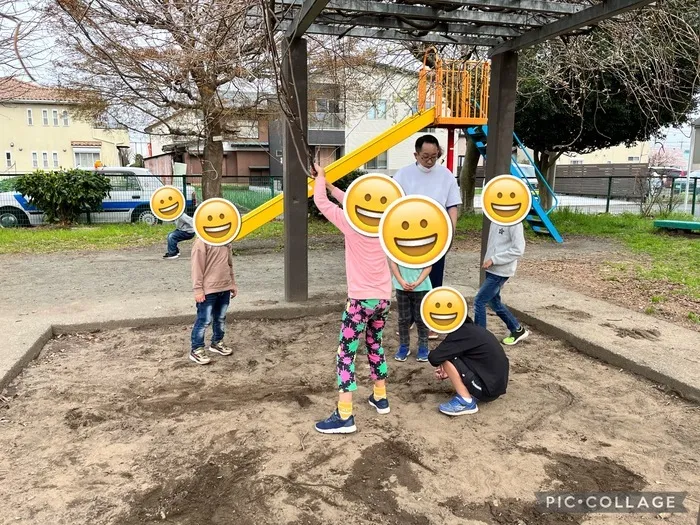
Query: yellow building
point(635, 154)
point(38, 131)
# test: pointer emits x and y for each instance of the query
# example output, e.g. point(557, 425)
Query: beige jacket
point(212, 268)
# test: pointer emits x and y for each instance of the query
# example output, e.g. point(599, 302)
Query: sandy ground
point(120, 428)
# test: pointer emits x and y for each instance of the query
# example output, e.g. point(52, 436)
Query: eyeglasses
point(428, 158)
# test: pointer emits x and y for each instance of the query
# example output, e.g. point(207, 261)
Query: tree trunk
point(213, 159)
point(546, 162)
point(467, 178)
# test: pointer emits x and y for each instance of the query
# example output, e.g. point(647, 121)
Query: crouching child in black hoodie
point(474, 361)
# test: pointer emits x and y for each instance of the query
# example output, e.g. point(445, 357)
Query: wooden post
point(501, 121)
point(296, 162)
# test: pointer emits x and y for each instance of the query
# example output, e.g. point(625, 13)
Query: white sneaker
point(199, 357)
point(220, 349)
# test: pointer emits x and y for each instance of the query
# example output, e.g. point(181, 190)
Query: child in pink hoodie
point(366, 310)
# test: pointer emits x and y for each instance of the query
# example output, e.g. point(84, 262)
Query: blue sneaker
point(458, 407)
point(402, 354)
point(382, 405)
point(422, 354)
point(336, 425)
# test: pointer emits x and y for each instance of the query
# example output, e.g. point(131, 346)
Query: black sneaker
point(516, 336)
point(171, 256)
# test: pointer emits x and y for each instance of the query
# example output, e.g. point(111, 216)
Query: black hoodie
point(480, 351)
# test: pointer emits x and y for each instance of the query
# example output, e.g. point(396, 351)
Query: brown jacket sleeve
point(230, 263)
point(199, 257)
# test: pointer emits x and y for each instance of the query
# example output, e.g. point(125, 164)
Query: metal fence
point(129, 198)
point(619, 189)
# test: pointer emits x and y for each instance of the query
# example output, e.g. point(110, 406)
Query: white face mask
point(423, 168)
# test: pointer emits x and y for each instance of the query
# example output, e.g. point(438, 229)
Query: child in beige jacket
point(213, 283)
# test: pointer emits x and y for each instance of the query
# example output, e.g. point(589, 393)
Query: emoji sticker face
point(366, 200)
point(217, 221)
point(443, 309)
point(167, 203)
point(506, 200)
point(415, 231)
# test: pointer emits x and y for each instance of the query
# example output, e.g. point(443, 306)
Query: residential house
point(245, 150)
point(38, 130)
point(388, 95)
point(254, 149)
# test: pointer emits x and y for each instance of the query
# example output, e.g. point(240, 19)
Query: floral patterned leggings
point(361, 315)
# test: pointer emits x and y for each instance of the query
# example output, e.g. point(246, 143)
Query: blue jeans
point(437, 272)
point(213, 308)
point(175, 237)
point(490, 293)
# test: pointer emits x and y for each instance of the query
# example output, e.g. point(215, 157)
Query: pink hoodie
point(366, 265)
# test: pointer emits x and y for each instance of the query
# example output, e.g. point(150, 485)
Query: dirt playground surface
point(120, 428)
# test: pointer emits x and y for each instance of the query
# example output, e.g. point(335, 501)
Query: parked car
point(679, 185)
point(666, 174)
point(529, 171)
point(128, 200)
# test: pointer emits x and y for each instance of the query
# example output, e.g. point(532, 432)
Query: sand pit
point(119, 428)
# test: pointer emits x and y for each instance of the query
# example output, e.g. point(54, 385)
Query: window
point(45, 116)
point(378, 163)
point(35, 159)
point(54, 114)
point(55, 159)
point(45, 159)
point(65, 117)
point(325, 105)
point(576, 161)
point(377, 111)
point(86, 159)
point(124, 182)
point(30, 118)
point(8, 159)
point(632, 159)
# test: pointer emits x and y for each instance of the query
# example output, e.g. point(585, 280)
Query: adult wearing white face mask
point(426, 177)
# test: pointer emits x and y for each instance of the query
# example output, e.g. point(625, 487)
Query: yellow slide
point(341, 167)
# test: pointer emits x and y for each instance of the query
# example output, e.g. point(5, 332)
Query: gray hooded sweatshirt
point(506, 245)
point(184, 223)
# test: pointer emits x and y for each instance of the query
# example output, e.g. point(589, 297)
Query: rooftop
point(15, 90)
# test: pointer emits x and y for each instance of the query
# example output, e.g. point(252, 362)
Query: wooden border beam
point(310, 9)
point(413, 12)
point(392, 34)
point(444, 28)
point(567, 24)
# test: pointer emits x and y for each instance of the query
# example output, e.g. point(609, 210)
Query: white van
point(128, 200)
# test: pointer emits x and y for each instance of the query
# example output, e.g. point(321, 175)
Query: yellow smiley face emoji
point(167, 203)
point(366, 199)
point(415, 231)
point(443, 309)
point(506, 200)
point(217, 221)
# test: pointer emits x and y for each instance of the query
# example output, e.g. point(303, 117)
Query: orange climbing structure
point(459, 92)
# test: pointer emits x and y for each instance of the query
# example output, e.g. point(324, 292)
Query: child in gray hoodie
point(184, 231)
point(505, 246)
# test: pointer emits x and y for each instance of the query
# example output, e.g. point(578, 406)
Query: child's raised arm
point(331, 211)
